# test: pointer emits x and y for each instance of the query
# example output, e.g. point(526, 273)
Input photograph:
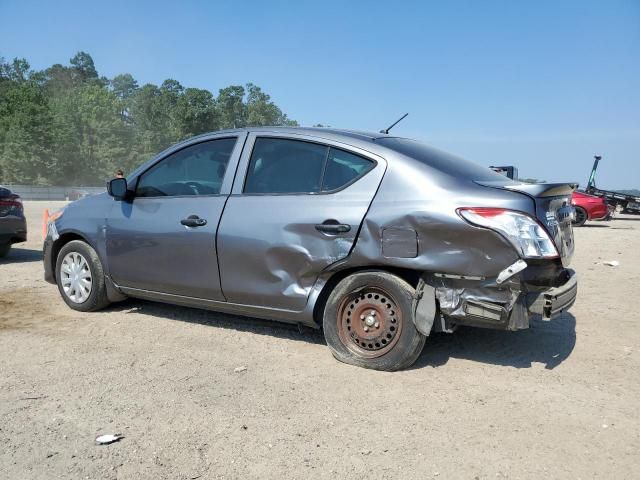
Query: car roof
point(319, 131)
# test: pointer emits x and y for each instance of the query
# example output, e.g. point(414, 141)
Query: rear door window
point(195, 170)
point(281, 166)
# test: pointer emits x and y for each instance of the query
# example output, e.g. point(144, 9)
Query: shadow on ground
point(22, 255)
point(549, 343)
point(220, 320)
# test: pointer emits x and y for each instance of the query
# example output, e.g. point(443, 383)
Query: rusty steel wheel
point(369, 322)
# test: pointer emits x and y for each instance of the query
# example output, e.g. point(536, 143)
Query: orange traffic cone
point(45, 221)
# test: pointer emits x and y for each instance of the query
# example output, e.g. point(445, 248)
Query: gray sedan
point(377, 239)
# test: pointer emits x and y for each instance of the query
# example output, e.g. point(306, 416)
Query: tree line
point(66, 125)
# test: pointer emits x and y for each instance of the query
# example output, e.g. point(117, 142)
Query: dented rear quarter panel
point(421, 202)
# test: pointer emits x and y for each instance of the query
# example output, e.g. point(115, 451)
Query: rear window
point(444, 162)
point(342, 168)
point(281, 166)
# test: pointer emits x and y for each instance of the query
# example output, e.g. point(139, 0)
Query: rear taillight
point(13, 203)
point(528, 237)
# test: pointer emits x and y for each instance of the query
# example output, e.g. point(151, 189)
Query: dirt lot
point(560, 400)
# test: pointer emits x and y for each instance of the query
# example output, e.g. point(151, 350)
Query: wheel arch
point(412, 277)
point(61, 241)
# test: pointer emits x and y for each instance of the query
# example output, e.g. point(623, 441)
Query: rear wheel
point(368, 322)
point(4, 249)
point(80, 277)
point(581, 217)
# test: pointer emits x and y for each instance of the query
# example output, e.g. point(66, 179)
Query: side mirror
point(117, 188)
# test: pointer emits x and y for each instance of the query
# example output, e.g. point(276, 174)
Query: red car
point(588, 207)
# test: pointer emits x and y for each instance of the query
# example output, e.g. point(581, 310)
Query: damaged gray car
point(376, 239)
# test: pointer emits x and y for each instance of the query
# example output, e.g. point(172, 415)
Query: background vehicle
point(589, 207)
point(628, 203)
point(78, 194)
point(358, 233)
point(13, 225)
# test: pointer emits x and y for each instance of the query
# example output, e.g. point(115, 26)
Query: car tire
point(4, 249)
point(581, 217)
point(85, 263)
point(368, 322)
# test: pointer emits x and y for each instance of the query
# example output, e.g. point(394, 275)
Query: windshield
point(444, 162)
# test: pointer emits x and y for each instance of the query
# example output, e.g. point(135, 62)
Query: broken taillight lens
point(528, 237)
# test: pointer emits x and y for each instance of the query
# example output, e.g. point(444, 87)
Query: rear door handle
point(333, 228)
point(193, 221)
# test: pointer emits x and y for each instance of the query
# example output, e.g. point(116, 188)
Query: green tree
point(262, 111)
point(83, 66)
point(91, 137)
point(196, 112)
point(67, 125)
point(24, 118)
point(17, 71)
point(233, 111)
point(124, 86)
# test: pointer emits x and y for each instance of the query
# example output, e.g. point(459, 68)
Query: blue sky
point(542, 85)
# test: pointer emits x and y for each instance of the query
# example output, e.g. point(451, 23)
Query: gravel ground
point(560, 400)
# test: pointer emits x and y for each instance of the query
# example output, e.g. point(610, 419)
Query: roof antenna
point(394, 124)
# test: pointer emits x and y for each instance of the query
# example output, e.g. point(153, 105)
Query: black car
point(13, 224)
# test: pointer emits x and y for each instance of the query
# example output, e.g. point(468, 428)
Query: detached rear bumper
point(511, 305)
point(553, 302)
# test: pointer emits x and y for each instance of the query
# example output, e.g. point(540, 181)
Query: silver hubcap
point(75, 276)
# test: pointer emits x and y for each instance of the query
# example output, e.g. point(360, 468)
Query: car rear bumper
point(555, 301)
point(13, 229)
point(509, 306)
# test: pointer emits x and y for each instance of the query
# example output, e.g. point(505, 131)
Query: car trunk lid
point(553, 210)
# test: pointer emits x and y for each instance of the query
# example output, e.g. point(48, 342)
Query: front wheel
point(368, 322)
point(80, 277)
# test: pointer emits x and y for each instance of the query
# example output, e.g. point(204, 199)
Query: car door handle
point(333, 228)
point(193, 221)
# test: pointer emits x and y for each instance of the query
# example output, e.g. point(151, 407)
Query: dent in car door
point(156, 243)
point(271, 248)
